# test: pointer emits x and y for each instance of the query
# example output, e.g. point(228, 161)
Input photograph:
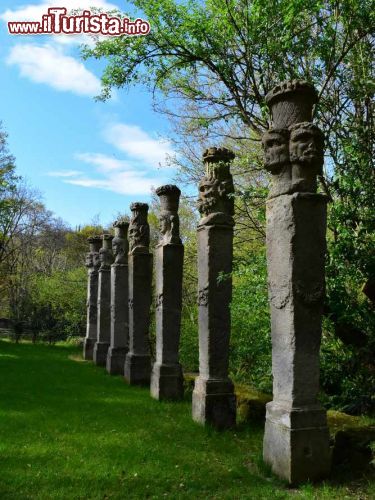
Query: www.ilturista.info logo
point(58, 22)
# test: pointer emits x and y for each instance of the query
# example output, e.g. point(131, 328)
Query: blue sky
point(87, 158)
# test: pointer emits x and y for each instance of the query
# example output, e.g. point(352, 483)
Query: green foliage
point(189, 353)
point(347, 374)
point(58, 302)
point(8, 177)
point(250, 355)
point(76, 246)
point(8, 182)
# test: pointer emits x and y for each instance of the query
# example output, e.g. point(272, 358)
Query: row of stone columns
point(296, 441)
point(119, 296)
point(119, 299)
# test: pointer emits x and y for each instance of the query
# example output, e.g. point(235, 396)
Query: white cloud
point(137, 144)
point(129, 183)
point(47, 64)
point(65, 173)
point(102, 162)
point(118, 176)
point(135, 174)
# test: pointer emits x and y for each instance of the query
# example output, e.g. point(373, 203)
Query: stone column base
point(100, 353)
point(296, 443)
point(214, 402)
point(88, 348)
point(137, 369)
point(116, 360)
point(167, 382)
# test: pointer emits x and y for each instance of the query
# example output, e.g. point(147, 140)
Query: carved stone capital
point(92, 257)
point(120, 245)
point(215, 155)
point(168, 219)
point(89, 261)
point(105, 253)
point(169, 196)
point(291, 102)
point(139, 230)
point(293, 147)
point(216, 188)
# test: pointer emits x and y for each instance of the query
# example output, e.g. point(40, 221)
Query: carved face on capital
point(96, 260)
point(139, 235)
point(276, 149)
point(306, 145)
point(213, 196)
point(117, 246)
point(102, 256)
point(134, 236)
point(164, 224)
point(208, 195)
point(89, 260)
point(169, 226)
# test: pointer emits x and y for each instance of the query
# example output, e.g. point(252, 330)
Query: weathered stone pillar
point(214, 401)
point(119, 301)
point(104, 302)
point(167, 378)
point(92, 264)
point(296, 440)
point(138, 360)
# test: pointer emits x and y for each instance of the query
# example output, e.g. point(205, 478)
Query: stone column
point(104, 302)
point(214, 400)
point(138, 360)
point(296, 440)
point(119, 301)
point(167, 378)
point(92, 264)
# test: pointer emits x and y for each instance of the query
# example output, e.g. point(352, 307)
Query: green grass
point(69, 430)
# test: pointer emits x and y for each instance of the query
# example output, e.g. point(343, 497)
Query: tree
point(8, 182)
point(213, 62)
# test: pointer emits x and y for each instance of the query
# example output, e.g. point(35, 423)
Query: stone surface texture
point(138, 359)
point(119, 301)
point(167, 377)
point(296, 440)
point(214, 401)
point(104, 302)
point(92, 264)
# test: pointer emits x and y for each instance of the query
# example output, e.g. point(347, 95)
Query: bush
point(58, 304)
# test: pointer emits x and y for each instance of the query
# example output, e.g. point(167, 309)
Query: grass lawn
point(69, 430)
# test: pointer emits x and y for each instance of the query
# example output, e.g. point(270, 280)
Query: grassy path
point(70, 431)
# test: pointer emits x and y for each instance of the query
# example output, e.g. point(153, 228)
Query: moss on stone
point(251, 404)
point(338, 420)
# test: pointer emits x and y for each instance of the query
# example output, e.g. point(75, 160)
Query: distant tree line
point(42, 278)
